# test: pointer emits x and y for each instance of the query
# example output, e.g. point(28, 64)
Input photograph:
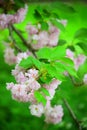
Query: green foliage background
point(14, 115)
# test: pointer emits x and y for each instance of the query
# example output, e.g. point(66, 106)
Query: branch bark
point(72, 114)
point(13, 40)
point(24, 41)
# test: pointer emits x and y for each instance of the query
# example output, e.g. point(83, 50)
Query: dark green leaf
point(81, 33)
point(44, 26)
point(83, 46)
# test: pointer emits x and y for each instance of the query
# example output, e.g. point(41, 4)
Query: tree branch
point(24, 41)
point(72, 114)
point(13, 40)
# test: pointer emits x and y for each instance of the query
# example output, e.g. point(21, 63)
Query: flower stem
point(72, 114)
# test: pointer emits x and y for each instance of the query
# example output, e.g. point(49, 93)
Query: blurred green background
point(15, 115)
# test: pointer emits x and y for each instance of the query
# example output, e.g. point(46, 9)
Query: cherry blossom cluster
point(39, 38)
point(78, 60)
point(8, 19)
point(27, 84)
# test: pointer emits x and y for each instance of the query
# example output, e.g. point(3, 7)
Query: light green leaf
point(58, 24)
point(51, 53)
point(45, 91)
point(30, 62)
point(40, 98)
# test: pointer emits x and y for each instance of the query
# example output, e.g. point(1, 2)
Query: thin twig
point(24, 41)
point(13, 40)
point(72, 114)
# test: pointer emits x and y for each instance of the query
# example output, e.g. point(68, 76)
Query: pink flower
point(41, 41)
point(32, 73)
point(9, 86)
point(69, 54)
point(3, 21)
point(21, 78)
point(32, 97)
point(53, 39)
point(7, 19)
point(9, 56)
point(53, 85)
point(79, 61)
point(32, 84)
point(31, 29)
point(37, 110)
point(51, 88)
point(19, 93)
point(17, 70)
point(54, 115)
point(21, 56)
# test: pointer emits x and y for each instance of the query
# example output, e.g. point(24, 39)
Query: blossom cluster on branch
point(8, 19)
point(25, 87)
point(39, 38)
point(28, 86)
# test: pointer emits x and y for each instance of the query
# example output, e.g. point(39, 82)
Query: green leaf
point(81, 34)
point(57, 53)
point(45, 91)
point(66, 65)
point(44, 53)
point(78, 49)
point(63, 7)
point(40, 98)
point(62, 42)
point(45, 79)
point(37, 15)
point(37, 96)
point(51, 53)
point(30, 62)
point(44, 26)
point(58, 24)
point(54, 72)
point(67, 61)
point(83, 46)
point(26, 63)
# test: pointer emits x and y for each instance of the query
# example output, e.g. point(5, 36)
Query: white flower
point(37, 110)
point(9, 56)
point(54, 114)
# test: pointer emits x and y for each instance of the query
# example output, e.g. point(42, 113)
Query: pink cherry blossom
point(79, 61)
point(37, 110)
point(33, 84)
point(54, 115)
point(21, 56)
point(31, 29)
point(69, 54)
point(9, 56)
point(8, 19)
point(31, 97)
point(32, 73)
